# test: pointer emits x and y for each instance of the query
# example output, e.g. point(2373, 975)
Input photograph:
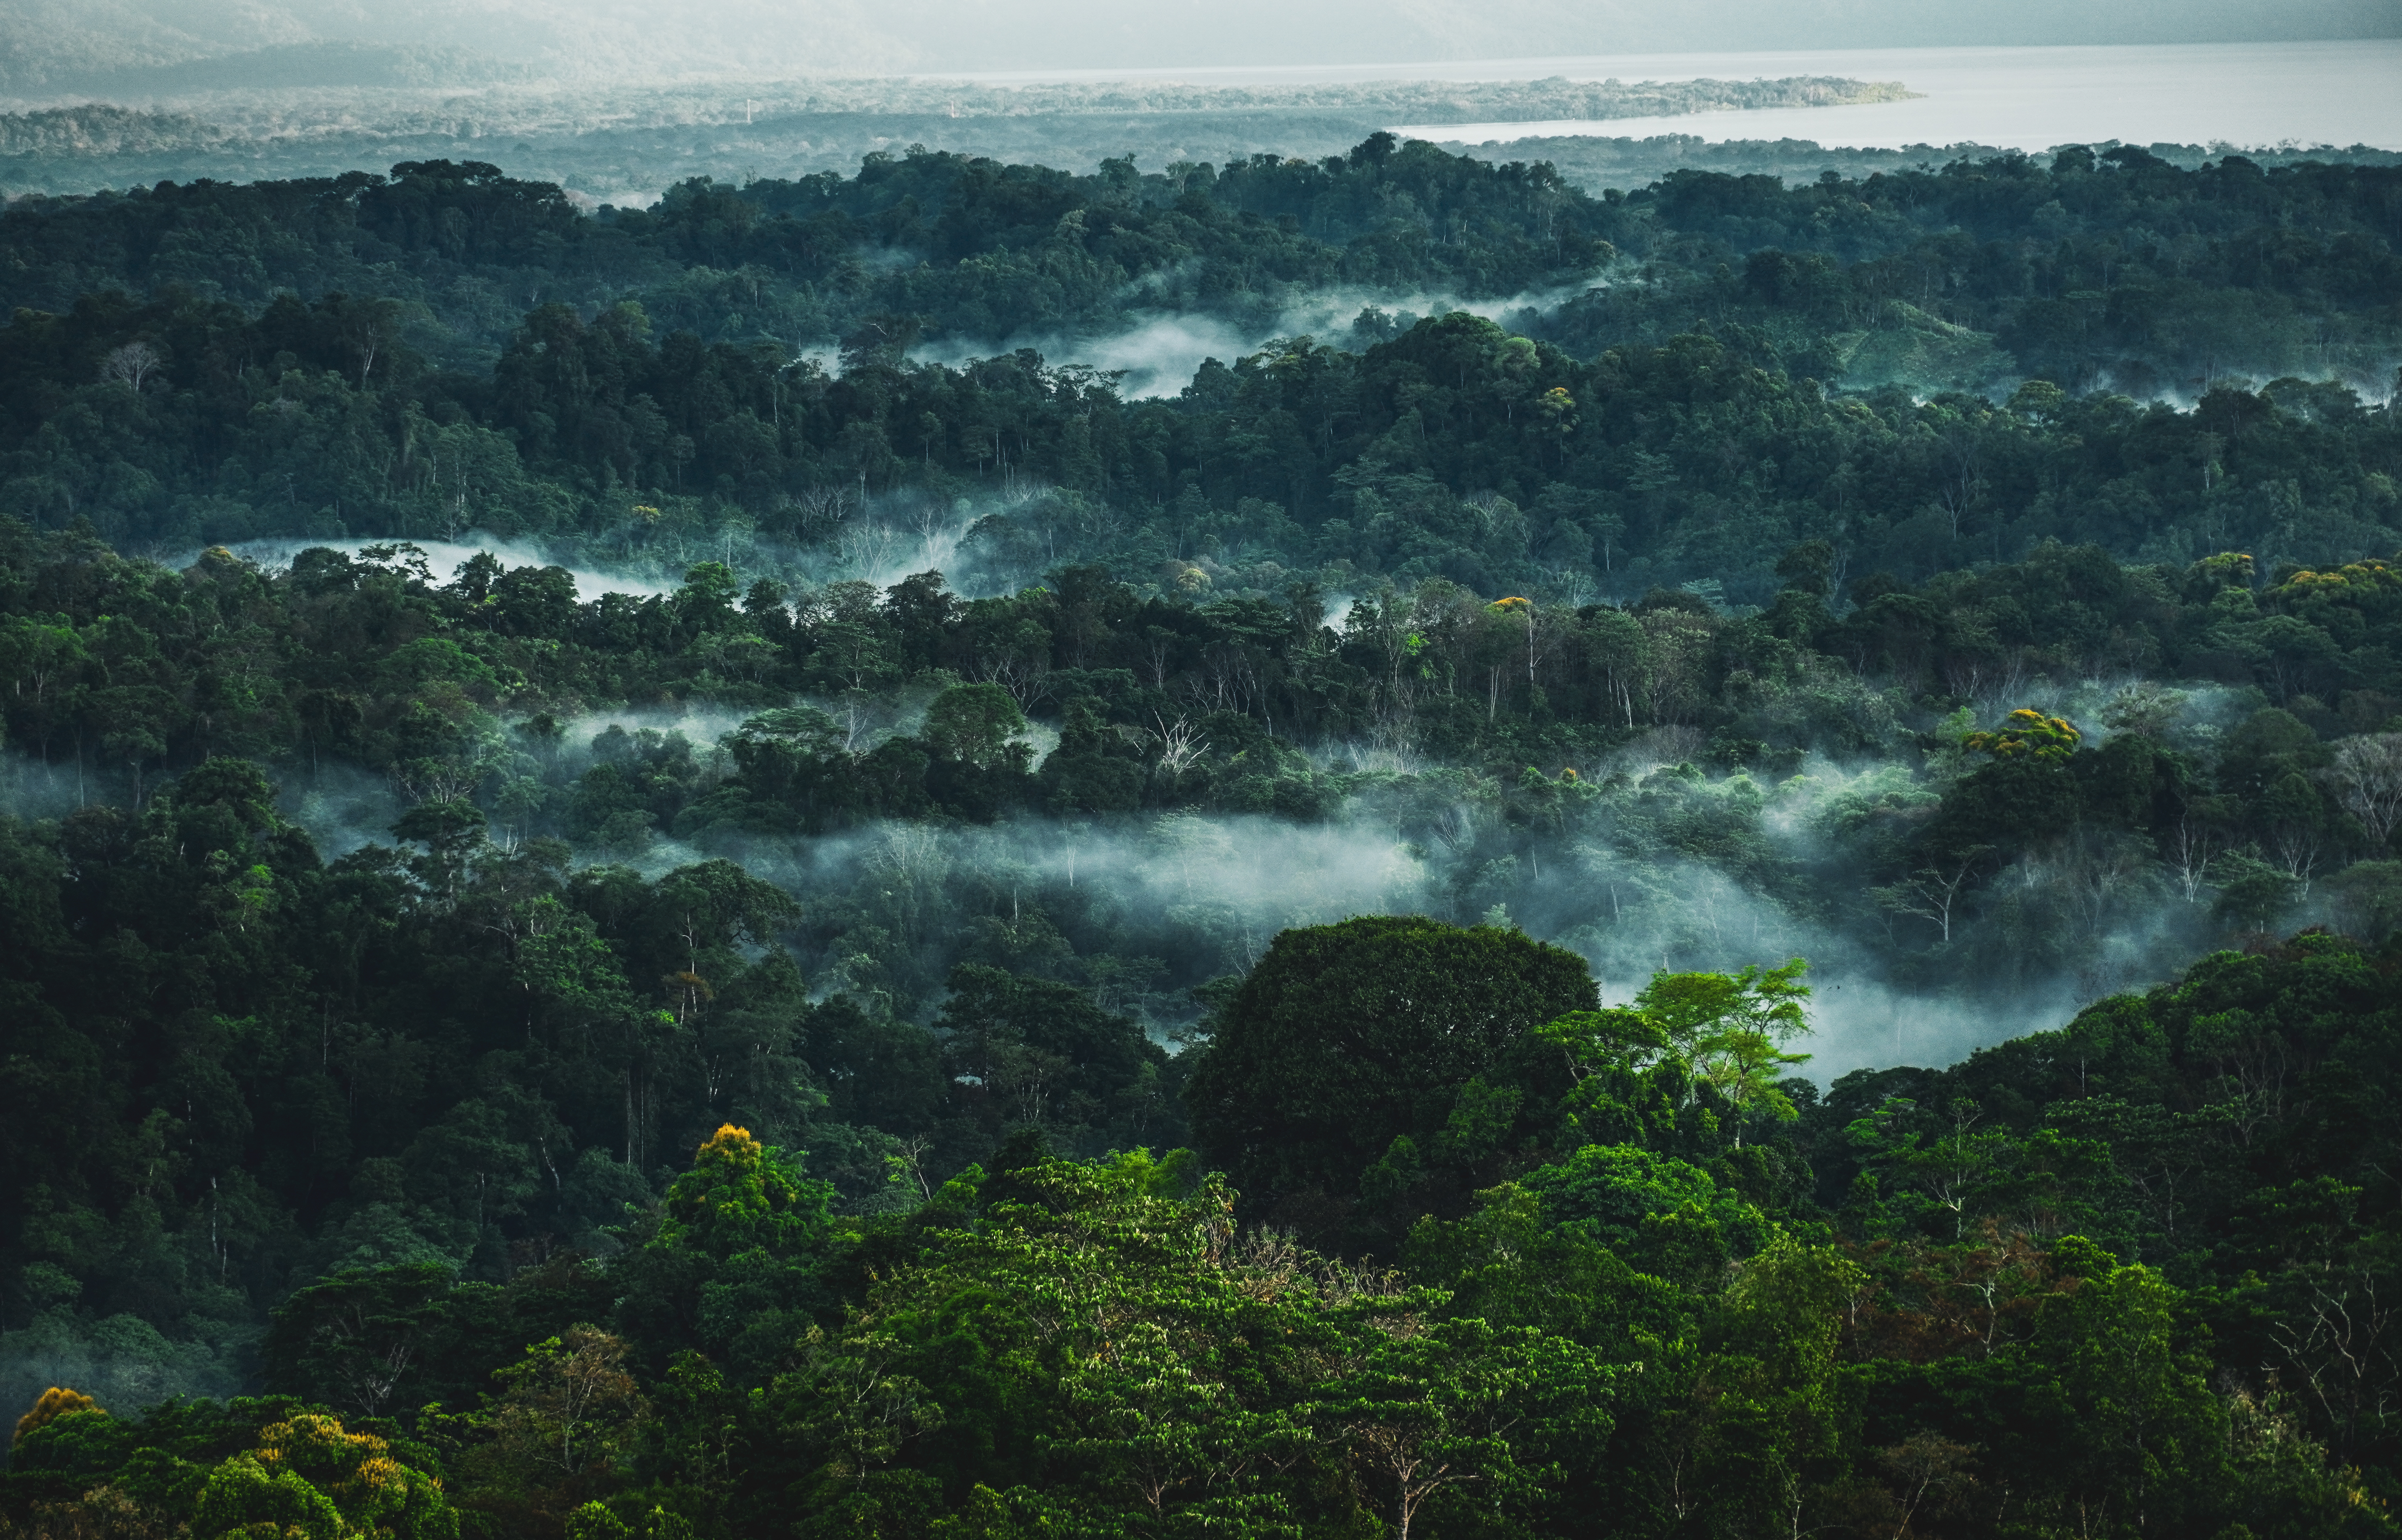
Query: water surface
point(2194, 93)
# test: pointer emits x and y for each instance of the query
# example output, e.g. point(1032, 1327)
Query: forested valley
point(1318, 849)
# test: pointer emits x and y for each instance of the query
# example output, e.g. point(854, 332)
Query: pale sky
point(56, 39)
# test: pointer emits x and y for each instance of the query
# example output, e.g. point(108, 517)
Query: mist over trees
point(1752, 889)
point(391, 299)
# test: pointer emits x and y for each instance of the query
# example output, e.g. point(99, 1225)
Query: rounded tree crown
point(1348, 1036)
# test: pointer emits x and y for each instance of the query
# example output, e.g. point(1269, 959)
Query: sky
point(54, 42)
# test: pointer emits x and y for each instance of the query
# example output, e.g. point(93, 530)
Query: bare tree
point(441, 779)
point(2190, 851)
point(1028, 678)
point(2367, 781)
point(1179, 744)
point(2297, 847)
point(910, 1161)
point(870, 547)
point(2343, 1352)
point(132, 365)
point(2098, 871)
point(1933, 892)
point(821, 509)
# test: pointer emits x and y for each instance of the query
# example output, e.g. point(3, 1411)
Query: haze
point(69, 44)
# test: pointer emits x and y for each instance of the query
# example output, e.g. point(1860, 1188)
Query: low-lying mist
point(443, 558)
point(1632, 856)
point(1159, 355)
point(878, 540)
point(1179, 897)
point(1144, 907)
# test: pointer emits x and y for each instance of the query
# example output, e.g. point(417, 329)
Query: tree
point(452, 831)
point(1348, 1036)
point(2367, 776)
point(311, 1477)
point(2368, 897)
point(1747, 1068)
point(2028, 733)
point(741, 1196)
point(55, 1402)
point(733, 1270)
point(1933, 892)
point(1666, 1216)
point(243, 1497)
point(1084, 1328)
point(1160, 1424)
point(569, 1403)
point(2145, 1438)
point(132, 365)
point(2251, 892)
point(359, 1340)
point(1729, 1028)
point(1422, 1408)
point(1764, 1411)
point(552, 1438)
point(1036, 1053)
point(1960, 1172)
point(977, 724)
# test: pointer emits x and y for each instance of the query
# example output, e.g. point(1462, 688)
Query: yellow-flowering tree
point(310, 1477)
point(2027, 733)
point(734, 1266)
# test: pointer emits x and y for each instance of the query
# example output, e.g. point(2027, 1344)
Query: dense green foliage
point(1625, 447)
point(1268, 1000)
point(2116, 1279)
point(252, 1466)
point(955, 244)
point(1344, 1044)
point(1640, 782)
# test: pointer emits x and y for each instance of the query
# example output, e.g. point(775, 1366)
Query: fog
point(118, 1360)
point(1177, 897)
point(443, 559)
point(1156, 358)
point(1159, 356)
point(880, 541)
point(890, 907)
point(1204, 895)
point(62, 43)
point(1174, 898)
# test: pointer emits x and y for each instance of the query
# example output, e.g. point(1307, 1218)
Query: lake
point(2197, 93)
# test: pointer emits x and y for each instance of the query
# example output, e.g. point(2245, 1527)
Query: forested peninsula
point(1717, 860)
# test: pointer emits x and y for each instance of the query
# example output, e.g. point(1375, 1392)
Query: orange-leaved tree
point(56, 1402)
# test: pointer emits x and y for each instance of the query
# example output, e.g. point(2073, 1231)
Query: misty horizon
point(54, 45)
